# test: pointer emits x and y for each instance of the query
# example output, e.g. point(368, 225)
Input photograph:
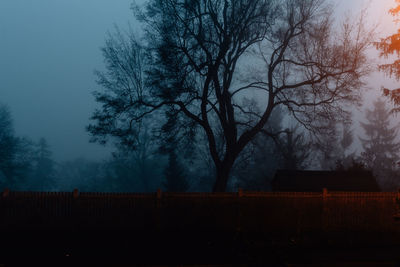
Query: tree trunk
point(222, 177)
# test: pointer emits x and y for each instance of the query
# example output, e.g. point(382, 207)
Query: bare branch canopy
point(201, 58)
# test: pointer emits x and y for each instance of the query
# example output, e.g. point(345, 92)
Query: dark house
point(315, 181)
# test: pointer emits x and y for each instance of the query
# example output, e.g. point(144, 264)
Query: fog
point(242, 96)
point(48, 52)
point(50, 49)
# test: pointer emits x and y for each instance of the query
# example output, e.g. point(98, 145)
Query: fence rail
point(261, 212)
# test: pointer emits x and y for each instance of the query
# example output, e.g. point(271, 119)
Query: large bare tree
point(203, 61)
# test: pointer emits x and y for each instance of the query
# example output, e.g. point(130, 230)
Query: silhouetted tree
point(124, 83)
point(355, 165)
point(334, 146)
point(197, 52)
point(175, 176)
point(380, 146)
point(294, 149)
point(258, 162)
point(131, 171)
point(255, 167)
point(389, 46)
point(8, 146)
point(16, 154)
point(346, 159)
point(326, 145)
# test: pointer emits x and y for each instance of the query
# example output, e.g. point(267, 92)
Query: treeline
point(29, 165)
point(24, 163)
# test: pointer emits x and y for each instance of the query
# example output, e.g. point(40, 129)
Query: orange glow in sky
point(378, 12)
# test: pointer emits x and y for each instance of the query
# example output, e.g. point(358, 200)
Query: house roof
point(315, 181)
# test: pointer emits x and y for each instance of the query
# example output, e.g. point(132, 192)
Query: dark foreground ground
point(35, 246)
point(225, 229)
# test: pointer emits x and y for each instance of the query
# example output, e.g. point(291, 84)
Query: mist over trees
point(218, 95)
point(42, 176)
point(7, 146)
point(381, 149)
point(16, 153)
point(193, 67)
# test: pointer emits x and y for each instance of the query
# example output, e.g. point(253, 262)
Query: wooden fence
point(171, 226)
point(241, 211)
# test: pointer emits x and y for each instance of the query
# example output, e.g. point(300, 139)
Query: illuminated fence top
point(160, 194)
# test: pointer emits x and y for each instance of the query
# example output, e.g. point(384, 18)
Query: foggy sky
point(48, 52)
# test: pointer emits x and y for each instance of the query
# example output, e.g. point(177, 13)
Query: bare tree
point(198, 52)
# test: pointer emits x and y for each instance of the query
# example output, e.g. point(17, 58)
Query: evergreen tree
point(175, 180)
point(16, 153)
point(8, 146)
point(388, 47)
point(294, 149)
point(380, 146)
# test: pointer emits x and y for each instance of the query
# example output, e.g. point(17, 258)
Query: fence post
point(6, 192)
point(75, 218)
point(159, 196)
point(159, 193)
point(240, 192)
point(324, 193)
point(76, 193)
point(239, 212)
point(324, 208)
point(158, 199)
point(398, 195)
point(396, 216)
